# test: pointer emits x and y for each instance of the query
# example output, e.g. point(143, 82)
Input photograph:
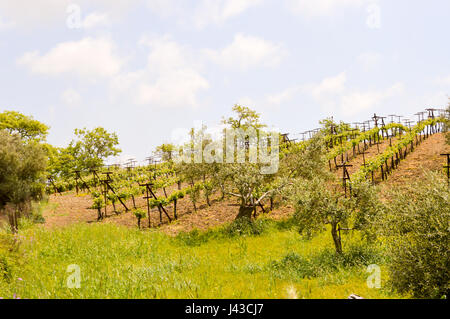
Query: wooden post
point(447, 167)
point(345, 177)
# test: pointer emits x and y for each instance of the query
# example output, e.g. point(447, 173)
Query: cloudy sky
point(147, 69)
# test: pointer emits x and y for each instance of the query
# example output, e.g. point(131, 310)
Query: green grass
point(265, 260)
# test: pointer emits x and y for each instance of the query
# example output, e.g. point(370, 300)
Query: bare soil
point(70, 208)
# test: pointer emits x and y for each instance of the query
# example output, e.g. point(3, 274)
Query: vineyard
point(324, 215)
point(154, 192)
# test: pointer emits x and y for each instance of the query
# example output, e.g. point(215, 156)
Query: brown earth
point(425, 157)
point(71, 208)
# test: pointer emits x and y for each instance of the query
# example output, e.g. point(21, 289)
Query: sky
point(151, 69)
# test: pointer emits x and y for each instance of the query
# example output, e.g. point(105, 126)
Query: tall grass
point(262, 260)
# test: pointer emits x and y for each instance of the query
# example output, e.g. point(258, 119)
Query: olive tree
point(319, 200)
point(417, 225)
point(22, 167)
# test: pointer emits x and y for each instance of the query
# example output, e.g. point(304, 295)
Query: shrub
point(245, 226)
point(419, 229)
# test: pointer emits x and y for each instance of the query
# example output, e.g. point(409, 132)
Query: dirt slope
point(70, 208)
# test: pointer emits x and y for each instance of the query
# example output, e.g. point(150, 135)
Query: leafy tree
point(61, 161)
point(318, 204)
point(165, 151)
point(27, 127)
point(21, 173)
point(245, 118)
point(318, 198)
point(91, 148)
point(417, 226)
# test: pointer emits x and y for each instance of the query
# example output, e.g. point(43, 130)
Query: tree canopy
point(91, 147)
point(27, 127)
point(22, 166)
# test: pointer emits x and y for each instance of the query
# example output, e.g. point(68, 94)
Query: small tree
point(318, 204)
point(165, 151)
point(91, 148)
point(22, 167)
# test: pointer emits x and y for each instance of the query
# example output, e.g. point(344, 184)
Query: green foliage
point(417, 224)
point(375, 132)
point(140, 213)
point(246, 227)
point(121, 263)
point(176, 195)
point(91, 148)
point(245, 118)
point(21, 170)
point(318, 204)
point(98, 203)
point(61, 162)
point(165, 151)
point(377, 162)
point(296, 267)
point(27, 127)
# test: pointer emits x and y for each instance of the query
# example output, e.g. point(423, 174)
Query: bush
point(325, 262)
point(420, 237)
point(245, 226)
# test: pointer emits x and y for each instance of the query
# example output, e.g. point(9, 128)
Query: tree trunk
point(175, 209)
point(336, 238)
point(134, 201)
point(245, 212)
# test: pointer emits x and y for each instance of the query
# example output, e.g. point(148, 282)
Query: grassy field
point(266, 260)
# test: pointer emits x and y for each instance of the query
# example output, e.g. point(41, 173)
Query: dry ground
point(70, 208)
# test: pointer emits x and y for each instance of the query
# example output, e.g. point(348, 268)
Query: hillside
point(69, 208)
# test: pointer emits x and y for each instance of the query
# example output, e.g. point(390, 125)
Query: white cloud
point(330, 85)
point(71, 98)
point(333, 95)
point(205, 12)
point(357, 101)
point(246, 101)
point(89, 58)
point(217, 12)
point(170, 79)
point(46, 12)
point(369, 60)
point(324, 92)
point(284, 96)
point(176, 88)
point(95, 19)
point(319, 8)
point(246, 52)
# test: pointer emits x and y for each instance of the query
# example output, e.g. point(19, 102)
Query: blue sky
point(149, 69)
